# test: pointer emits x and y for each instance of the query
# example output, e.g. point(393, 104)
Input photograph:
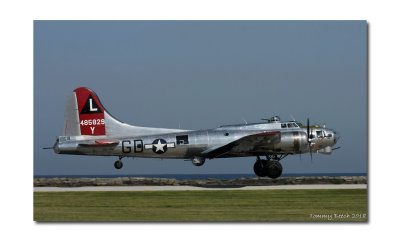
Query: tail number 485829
point(92, 122)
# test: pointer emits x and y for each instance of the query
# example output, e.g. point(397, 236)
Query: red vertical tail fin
point(91, 112)
point(84, 114)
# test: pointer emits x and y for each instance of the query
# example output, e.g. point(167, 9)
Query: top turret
point(274, 119)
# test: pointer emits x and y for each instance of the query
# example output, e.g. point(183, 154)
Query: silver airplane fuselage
point(90, 130)
point(190, 144)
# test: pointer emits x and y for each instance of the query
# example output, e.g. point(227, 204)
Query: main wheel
point(260, 168)
point(274, 169)
point(118, 164)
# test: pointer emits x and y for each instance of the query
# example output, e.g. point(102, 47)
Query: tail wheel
point(273, 169)
point(260, 168)
point(118, 164)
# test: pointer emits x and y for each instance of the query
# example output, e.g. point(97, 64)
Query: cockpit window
point(299, 124)
point(289, 125)
point(319, 134)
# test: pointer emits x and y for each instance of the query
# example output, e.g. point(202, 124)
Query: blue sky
point(202, 74)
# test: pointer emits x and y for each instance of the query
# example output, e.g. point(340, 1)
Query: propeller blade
point(308, 137)
point(300, 159)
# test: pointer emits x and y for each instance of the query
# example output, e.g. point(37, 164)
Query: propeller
point(309, 136)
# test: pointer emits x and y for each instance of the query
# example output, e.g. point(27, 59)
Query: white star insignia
point(159, 146)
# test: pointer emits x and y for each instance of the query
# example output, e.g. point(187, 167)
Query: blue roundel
point(159, 146)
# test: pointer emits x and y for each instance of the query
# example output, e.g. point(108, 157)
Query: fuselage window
point(181, 140)
point(283, 125)
point(64, 138)
point(319, 134)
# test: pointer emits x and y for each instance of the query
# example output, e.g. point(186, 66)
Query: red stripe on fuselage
point(266, 133)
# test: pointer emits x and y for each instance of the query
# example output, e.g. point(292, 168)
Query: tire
point(274, 169)
point(118, 164)
point(259, 169)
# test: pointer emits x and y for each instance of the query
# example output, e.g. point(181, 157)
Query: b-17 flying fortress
point(90, 130)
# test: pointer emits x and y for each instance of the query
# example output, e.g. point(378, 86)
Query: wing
point(100, 143)
point(248, 144)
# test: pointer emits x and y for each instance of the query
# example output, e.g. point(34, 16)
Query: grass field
point(236, 205)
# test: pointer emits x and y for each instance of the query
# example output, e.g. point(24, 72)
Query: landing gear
point(274, 169)
point(198, 161)
point(118, 164)
point(260, 168)
point(271, 168)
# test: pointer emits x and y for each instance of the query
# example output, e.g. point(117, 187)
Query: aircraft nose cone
point(336, 136)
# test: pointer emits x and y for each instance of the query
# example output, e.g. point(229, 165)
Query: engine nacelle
point(294, 141)
point(198, 161)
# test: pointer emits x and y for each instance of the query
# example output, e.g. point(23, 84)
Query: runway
point(191, 188)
